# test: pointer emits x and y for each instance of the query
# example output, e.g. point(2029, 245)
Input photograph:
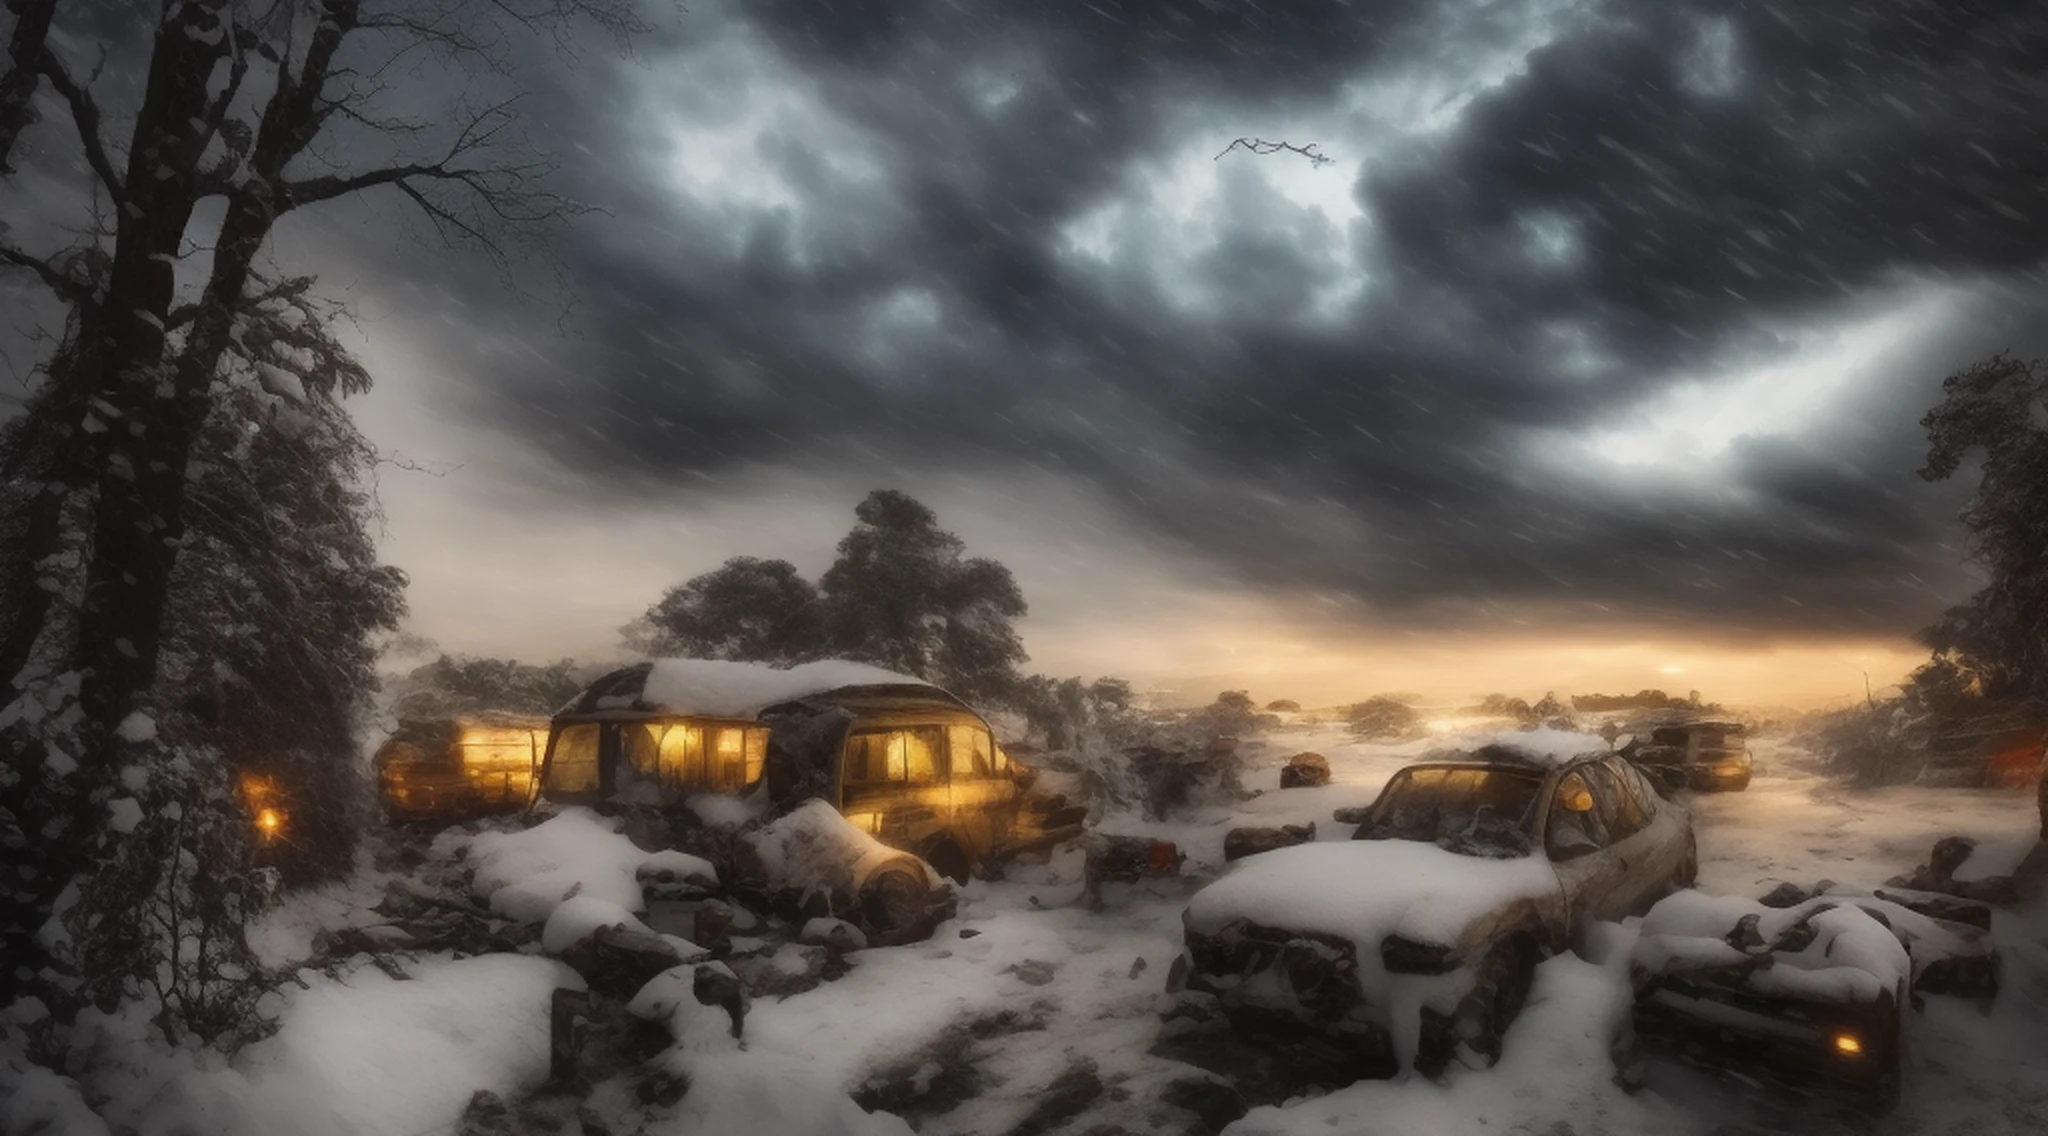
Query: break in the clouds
point(1602, 314)
point(1625, 311)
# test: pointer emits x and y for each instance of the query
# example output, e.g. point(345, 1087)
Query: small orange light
point(1848, 1044)
point(269, 820)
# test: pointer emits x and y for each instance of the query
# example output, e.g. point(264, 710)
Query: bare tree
point(246, 101)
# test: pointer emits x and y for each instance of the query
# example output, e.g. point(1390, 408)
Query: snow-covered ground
point(1028, 1012)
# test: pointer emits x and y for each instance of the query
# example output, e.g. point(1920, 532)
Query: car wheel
point(1499, 988)
point(1891, 1056)
point(895, 904)
point(948, 860)
point(1688, 873)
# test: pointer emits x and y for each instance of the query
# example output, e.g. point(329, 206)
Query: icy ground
point(1029, 1014)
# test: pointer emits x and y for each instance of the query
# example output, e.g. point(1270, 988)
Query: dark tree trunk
point(122, 392)
point(18, 83)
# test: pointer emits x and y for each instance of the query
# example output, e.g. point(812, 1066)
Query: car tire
point(895, 903)
point(1688, 873)
point(1499, 990)
point(948, 860)
point(1884, 1089)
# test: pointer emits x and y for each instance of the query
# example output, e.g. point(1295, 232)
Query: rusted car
point(902, 759)
point(1803, 987)
point(1706, 756)
point(1420, 936)
point(448, 769)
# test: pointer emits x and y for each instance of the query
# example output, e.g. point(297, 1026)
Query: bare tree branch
point(1312, 151)
point(67, 289)
point(86, 115)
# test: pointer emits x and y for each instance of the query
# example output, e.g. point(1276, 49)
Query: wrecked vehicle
point(1420, 937)
point(450, 769)
point(1813, 987)
point(901, 759)
point(1706, 756)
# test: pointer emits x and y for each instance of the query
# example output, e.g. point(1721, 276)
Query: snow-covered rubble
point(525, 874)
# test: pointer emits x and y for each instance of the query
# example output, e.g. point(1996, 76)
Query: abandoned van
point(1706, 756)
point(901, 758)
point(448, 769)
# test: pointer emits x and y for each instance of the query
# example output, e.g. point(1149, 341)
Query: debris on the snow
point(1124, 859)
point(833, 934)
point(1251, 840)
point(1305, 771)
point(1938, 874)
point(618, 961)
point(789, 969)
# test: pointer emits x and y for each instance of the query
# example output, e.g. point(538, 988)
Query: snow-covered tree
point(902, 594)
point(1999, 636)
point(747, 609)
point(246, 104)
point(465, 684)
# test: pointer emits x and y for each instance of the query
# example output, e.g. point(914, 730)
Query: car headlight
point(1404, 955)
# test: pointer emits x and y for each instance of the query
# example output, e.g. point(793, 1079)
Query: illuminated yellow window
point(682, 757)
point(574, 767)
point(729, 750)
point(757, 753)
point(641, 745)
point(500, 760)
point(972, 752)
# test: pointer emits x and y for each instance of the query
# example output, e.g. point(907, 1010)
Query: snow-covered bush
point(1123, 759)
point(175, 935)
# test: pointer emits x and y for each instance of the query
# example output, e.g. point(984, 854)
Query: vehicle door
point(893, 783)
point(1644, 848)
point(1661, 846)
point(980, 789)
point(1577, 841)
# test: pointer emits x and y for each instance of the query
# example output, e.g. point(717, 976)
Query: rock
point(713, 928)
point(1138, 966)
point(487, 1114)
point(717, 985)
point(1032, 972)
point(618, 961)
point(792, 969)
point(1305, 771)
point(1250, 841)
point(1937, 906)
point(833, 934)
point(1062, 1100)
point(676, 875)
point(1351, 814)
point(1214, 1101)
point(1745, 937)
point(1785, 895)
point(1966, 976)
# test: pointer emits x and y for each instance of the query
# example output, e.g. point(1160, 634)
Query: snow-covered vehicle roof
point(1543, 748)
point(715, 688)
point(1364, 891)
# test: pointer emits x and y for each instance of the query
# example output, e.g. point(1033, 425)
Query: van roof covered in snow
point(714, 688)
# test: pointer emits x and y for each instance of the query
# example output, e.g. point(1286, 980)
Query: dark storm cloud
point(1666, 192)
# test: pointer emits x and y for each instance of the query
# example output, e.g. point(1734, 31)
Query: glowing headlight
point(1848, 1044)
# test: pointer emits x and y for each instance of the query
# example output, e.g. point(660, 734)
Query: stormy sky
point(1594, 356)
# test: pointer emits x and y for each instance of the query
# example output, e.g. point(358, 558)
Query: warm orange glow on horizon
point(1321, 667)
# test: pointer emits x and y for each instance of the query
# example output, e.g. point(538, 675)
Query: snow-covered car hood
point(1365, 890)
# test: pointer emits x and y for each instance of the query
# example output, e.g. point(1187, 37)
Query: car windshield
point(1471, 810)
